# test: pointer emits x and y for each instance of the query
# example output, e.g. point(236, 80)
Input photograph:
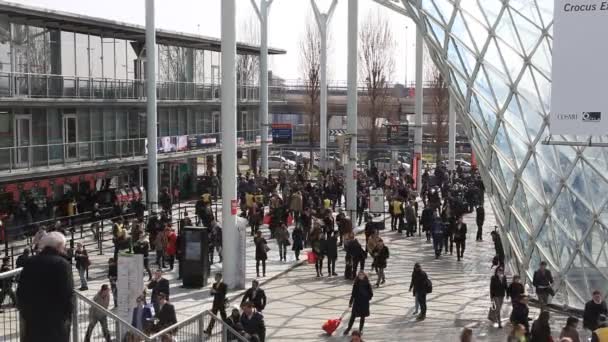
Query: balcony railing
point(28, 85)
point(33, 156)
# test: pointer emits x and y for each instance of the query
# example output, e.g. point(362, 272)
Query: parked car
point(278, 162)
point(388, 164)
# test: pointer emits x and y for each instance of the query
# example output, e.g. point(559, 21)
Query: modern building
point(73, 105)
point(549, 199)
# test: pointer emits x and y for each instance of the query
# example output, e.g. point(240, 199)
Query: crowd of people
point(300, 213)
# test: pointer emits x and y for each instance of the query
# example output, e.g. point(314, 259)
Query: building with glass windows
point(73, 104)
point(548, 198)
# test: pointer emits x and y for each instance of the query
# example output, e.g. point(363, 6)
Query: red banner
point(473, 160)
point(415, 172)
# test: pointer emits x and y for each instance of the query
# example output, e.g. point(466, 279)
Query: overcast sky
point(286, 26)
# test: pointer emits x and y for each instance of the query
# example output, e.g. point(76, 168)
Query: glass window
point(121, 59)
point(6, 138)
point(191, 121)
point(38, 50)
point(200, 123)
point(55, 135)
point(95, 56)
point(182, 122)
point(84, 125)
point(173, 121)
point(108, 57)
point(97, 131)
point(199, 66)
point(68, 63)
point(5, 46)
point(133, 124)
point(121, 124)
point(131, 61)
point(82, 55)
point(109, 123)
point(163, 123)
point(208, 122)
point(40, 149)
point(20, 36)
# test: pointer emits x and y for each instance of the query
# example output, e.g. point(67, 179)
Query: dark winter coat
point(498, 286)
point(297, 235)
point(519, 315)
point(255, 325)
point(480, 215)
point(46, 309)
point(332, 247)
point(380, 257)
point(260, 252)
point(541, 332)
point(419, 282)
point(360, 297)
point(591, 315)
point(460, 234)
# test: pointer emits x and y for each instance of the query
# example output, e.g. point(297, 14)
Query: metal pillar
point(452, 134)
point(262, 13)
point(152, 191)
point(233, 277)
point(419, 106)
point(323, 22)
point(351, 106)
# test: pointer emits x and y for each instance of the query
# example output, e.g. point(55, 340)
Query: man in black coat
point(218, 290)
point(542, 281)
point(166, 313)
point(253, 323)
point(158, 285)
point(480, 217)
point(45, 292)
point(332, 254)
point(421, 285)
point(593, 310)
point(255, 295)
point(460, 237)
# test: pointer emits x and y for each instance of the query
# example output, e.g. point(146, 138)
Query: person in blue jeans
point(82, 263)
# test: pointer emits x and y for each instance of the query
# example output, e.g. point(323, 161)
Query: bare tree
point(440, 97)
point(248, 65)
point(310, 64)
point(377, 65)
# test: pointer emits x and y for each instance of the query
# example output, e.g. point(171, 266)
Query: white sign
point(376, 201)
point(579, 102)
point(130, 283)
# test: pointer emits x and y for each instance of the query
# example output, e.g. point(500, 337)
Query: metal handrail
point(11, 273)
point(194, 318)
point(123, 323)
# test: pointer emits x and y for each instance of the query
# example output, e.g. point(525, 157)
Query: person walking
point(515, 289)
point(143, 315)
point(142, 246)
point(498, 290)
point(332, 254)
point(97, 316)
point(520, 312)
point(165, 315)
point(426, 220)
point(541, 330)
point(218, 290)
point(421, 285)
point(360, 297)
point(82, 263)
point(261, 253)
point(460, 237)
point(410, 218)
point(381, 255)
point(319, 247)
point(438, 232)
point(297, 236)
point(282, 236)
point(500, 251)
point(255, 295)
point(593, 310)
point(171, 246)
point(542, 281)
point(158, 285)
point(253, 324)
point(160, 245)
point(46, 310)
point(480, 217)
point(570, 330)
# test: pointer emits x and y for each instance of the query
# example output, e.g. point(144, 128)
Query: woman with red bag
point(360, 297)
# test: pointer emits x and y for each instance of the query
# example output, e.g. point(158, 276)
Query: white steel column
point(419, 105)
point(323, 22)
point(152, 191)
point(230, 236)
point(351, 106)
point(262, 13)
point(452, 134)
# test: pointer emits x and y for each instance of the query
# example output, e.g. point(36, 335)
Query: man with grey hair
point(45, 292)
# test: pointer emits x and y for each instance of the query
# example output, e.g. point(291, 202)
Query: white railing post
point(75, 334)
point(201, 327)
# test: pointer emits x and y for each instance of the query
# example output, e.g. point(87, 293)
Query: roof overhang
point(85, 24)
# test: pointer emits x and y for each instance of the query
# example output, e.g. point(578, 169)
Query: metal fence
point(89, 320)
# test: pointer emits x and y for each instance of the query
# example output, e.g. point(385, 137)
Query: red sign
point(234, 206)
point(415, 170)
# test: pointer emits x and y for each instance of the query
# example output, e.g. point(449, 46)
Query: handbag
point(493, 313)
point(266, 248)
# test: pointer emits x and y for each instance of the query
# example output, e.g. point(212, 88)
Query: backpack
point(429, 286)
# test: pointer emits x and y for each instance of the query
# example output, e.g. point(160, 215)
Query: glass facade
point(548, 199)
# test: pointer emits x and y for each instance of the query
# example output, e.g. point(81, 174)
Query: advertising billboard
point(579, 104)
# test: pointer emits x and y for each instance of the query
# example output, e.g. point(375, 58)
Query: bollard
point(100, 240)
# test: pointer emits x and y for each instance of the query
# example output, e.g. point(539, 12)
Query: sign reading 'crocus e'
point(579, 102)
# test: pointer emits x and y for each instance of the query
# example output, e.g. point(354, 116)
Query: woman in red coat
point(171, 248)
